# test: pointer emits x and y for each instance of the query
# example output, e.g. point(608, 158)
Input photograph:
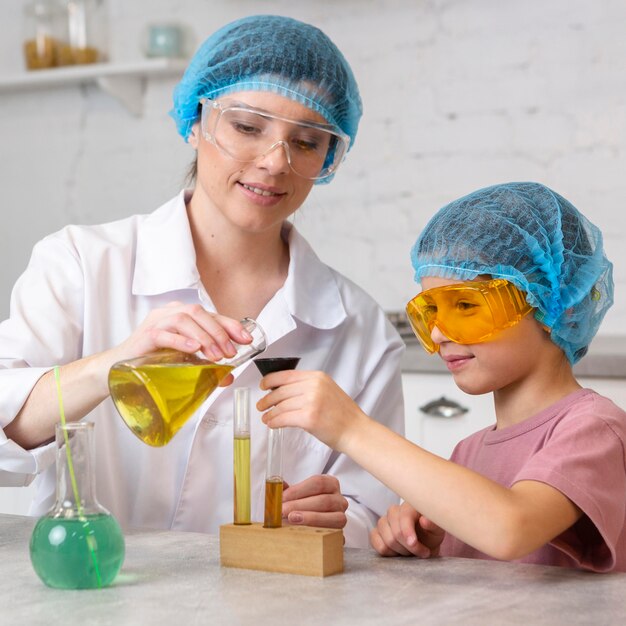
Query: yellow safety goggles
point(466, 313)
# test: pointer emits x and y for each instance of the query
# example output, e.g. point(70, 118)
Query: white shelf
point(126, 82)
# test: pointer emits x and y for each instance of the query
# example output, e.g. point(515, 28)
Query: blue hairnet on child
point(536, 239)
point(271, 53)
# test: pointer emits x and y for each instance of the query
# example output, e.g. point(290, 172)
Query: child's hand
point(404, 531)
point(310, 400)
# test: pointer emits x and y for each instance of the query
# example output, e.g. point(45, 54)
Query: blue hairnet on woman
point(275, 54)
point(270, 107)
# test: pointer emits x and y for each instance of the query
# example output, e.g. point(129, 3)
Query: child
point(515, 284)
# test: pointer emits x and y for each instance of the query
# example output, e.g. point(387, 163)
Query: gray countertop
point(175, 577)
point(606, 358)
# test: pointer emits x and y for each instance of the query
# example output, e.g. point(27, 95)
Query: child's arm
point(404, 531)
point(501, 522)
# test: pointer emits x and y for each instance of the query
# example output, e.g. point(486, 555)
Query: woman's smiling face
point(260, 194)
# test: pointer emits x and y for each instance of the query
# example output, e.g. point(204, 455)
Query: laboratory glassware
point(274, 472)
point(86, 32)
point(157, 393)
point(241, 455)
point(78, 544)
point(45, 32)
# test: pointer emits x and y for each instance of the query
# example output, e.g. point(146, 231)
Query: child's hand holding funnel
point(274, 473)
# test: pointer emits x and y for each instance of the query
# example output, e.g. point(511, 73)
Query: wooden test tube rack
point(291, 549)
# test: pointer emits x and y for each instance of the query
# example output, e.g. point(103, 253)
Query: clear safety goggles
point(314, 151)
point(466, 313)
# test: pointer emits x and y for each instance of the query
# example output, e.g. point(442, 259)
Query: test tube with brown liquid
point(241, 456)
point(274, 474)
point(274, 480)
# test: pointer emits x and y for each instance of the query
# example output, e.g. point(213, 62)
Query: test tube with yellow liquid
point(241, 455)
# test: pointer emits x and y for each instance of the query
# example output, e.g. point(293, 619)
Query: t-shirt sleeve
point(583, 458)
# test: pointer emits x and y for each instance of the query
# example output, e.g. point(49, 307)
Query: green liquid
point(75, 554)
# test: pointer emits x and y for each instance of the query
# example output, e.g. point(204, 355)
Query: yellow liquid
point(156, 399)
point(273, 503)
point(242, 480)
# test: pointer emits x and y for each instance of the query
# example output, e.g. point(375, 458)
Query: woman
point(267, 122)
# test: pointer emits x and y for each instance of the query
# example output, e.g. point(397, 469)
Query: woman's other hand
point(187, 328)
point(316, 501)
point(405, 532)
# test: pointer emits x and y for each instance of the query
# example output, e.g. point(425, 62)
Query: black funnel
point(277, 364)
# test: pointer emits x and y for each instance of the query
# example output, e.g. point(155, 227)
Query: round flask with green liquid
point(78, 544)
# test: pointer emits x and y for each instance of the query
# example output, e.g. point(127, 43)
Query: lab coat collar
point(311, 290)
point(166, 261)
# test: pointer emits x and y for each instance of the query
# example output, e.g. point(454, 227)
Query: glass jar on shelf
point(86, 32)
point(44, 33)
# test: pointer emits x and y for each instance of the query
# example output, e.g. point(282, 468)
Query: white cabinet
point(440, 433)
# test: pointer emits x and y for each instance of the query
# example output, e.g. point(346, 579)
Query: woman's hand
point(313, 401)
point(187, 328)
point(316, 501)
point(404, 532)
point(184, 327)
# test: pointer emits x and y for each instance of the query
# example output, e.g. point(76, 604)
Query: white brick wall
point(458, 94)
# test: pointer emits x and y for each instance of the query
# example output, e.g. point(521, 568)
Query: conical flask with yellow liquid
point(157, 393)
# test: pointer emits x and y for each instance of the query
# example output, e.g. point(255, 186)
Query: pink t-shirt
point(577, 446)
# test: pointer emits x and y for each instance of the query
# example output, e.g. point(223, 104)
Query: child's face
point(510, 356)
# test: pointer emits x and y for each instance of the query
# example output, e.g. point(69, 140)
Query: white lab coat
point(87, 288)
